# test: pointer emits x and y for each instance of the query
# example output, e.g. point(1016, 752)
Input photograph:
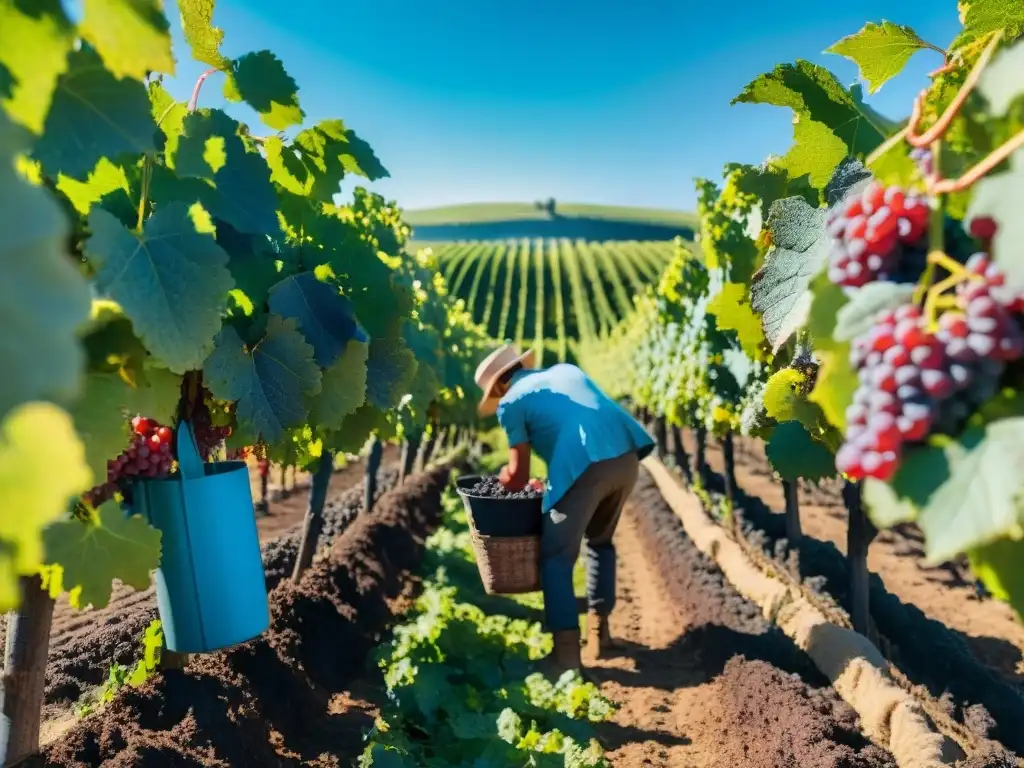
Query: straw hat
point(491, 369)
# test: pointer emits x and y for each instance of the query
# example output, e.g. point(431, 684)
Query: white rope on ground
point(890, 717)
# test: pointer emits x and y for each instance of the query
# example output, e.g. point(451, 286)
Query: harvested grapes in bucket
point(491, 488)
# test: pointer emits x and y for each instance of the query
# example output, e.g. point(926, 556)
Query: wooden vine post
point(661, 436)
point(679, 453)
point(410, 447)
point(372, 467)
point(427, 448)
point(699, 464)
point(794, 532)
point(24, 680)
point(263, 505)
point(859, 534)
point(730, 467)
point(313, 523)
point(285, 493)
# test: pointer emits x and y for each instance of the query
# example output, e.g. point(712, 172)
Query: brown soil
point(282, 699)
point(704, 681)
point(84, 644)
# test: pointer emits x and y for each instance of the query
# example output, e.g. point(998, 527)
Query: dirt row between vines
point(272, 701)
point(972, 677)
point(84, 644)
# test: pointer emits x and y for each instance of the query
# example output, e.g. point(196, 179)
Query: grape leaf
point(90, 555)
point(998, 566)
point(316, 162)
point(779, 289)
point(103, 412)
point(984, 16)
point(236, 184)
point(784, 402)
point(859, 315)
point(999, 196)
point(171, 281)
point(354, 430)
point(880, 51)
point(732, 311)
point(389, 371)
point(794, 454)
point(849, 178)
point(203, 38)
point(42, 466)
point(980, 500)
point(828, 299)
point(252, 262)
point(43, 297)
point(814, 154)
point(93, 115)
point(105, 179)
point(268, 380)
point(131, 36)
point(1001, 83)
point(344, 387)
point(259, 79)
point(836, 383)
point(323, 315)
point(44, 37)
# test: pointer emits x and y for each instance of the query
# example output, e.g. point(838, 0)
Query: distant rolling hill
point(574, 221)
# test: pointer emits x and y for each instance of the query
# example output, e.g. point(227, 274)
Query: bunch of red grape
point(914, 382)
point(208, 437)
point(870, 232)
point(149, 454)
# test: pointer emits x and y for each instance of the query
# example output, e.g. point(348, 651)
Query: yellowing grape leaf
point(37, 39)
point(43, 297)
point(171, 281)
point(344, 388)
point(131, 36)
point(836, 383)
point(732, 311)
point(90, 555)
point(42, 466)
point(270, 380)
point(880, 51)
point(783, 400)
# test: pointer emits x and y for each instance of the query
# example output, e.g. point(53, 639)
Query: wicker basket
point(508, 565)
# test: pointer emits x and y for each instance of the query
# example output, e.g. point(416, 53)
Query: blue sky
point(583, 101)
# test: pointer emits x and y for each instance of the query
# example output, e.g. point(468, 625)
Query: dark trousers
point(589, 511)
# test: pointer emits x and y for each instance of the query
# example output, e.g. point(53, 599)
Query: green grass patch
point(459, 677)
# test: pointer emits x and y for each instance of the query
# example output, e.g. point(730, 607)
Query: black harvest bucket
point(506, 539)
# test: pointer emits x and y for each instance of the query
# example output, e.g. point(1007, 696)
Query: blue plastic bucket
point(211, 588)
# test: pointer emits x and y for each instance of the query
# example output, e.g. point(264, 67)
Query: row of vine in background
point(835, 306)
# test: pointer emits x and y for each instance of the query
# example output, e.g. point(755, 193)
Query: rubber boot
point(599, 637)
point(564, 656)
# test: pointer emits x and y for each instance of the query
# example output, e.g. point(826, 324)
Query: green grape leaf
point(998, 196)
point(90, 555)
point(922, 469)
point(998, 566)
point(859, 315)
point(131, 36)
point(171, 281)
point(884, 506)
point(42, 466)
point(880, 51)
point(344, 388)
point(980, 501)
point(323, 315)
point(316, 162)
point(43, 297)
point(259, 79)
point(814, 154)
point(356, 428)
point(105, 179)
point(44, 37)
point(732, 311)
point(235, 183)
point(110, 343)
point(779, 289)
point(783, 400)
point(93, 115)
point(268, 380)
point(837, 381)
point(1000, 83)
point(814, 95)
point(389, 372)
point(793, 453)
point(828, 299)
point(102, 414)
point(252, 262)
point(203, 38)
point(380, 303)
point(985, 16)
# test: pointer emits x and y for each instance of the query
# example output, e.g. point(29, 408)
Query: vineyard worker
point(592, 448)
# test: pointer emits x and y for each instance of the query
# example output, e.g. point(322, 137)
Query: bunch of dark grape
point(150, 454)
point(491, 488)
point(914, 382)
point(871, 230)
point(208, 437)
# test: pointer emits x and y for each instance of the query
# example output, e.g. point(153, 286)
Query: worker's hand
point(507, 479)
point(537, 485)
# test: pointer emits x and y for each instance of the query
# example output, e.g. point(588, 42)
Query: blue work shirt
point(569, 423)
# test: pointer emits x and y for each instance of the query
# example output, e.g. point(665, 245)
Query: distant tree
point(549, 206)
